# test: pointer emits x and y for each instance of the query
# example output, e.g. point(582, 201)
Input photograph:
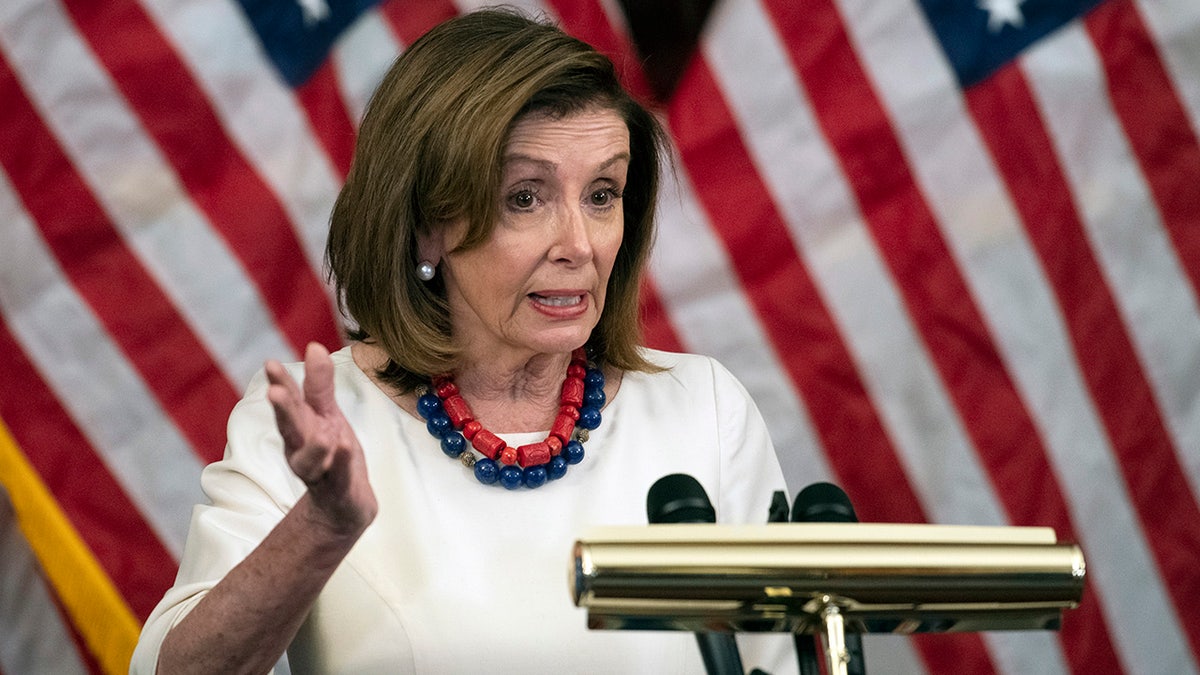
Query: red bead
point(509, 455)
point(533, 454)
point(570, 411)
point(579, 355)
point(488, 443)
point(457, 410)
point(572, 391)
point(576, 370)
point(554, 444)
point(470, 429)
point(563, 426)
point(445, 389)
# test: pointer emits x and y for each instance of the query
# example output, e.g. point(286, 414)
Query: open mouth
point(557, 300)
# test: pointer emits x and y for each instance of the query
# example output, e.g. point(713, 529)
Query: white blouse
point(454, 576)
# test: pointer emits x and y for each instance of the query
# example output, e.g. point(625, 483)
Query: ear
point(431, 245)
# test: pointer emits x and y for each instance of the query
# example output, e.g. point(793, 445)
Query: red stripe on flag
point(935, 294)
point(141, 319)
point(826, 63)
point(328, 116)
point(411, 19)
point(657, 331)
point(1008, 120)
point(1158, 128)
point(777, 284)
point(109, 523)
point(1007, 116)
point(239, 204)
point(801, 328)
point(589, 22)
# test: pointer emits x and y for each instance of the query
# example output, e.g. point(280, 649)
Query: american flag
point(952, 247)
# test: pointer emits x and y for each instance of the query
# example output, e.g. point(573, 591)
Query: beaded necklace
point(448, 418)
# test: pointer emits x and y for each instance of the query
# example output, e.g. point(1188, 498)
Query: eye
point(523, 200)
point(604, 197)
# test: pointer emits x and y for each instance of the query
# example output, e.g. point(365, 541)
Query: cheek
point(606, 250)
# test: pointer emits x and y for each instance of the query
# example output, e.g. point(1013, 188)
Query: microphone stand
point(837, 655)
point(826, 502)
point(806, 646)
point(679, 498)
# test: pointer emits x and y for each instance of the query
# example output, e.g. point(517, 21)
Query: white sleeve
point(249, 490)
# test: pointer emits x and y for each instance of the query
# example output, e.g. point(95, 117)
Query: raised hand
point(319, 444)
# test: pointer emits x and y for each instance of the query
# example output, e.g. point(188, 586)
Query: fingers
point(288, 402)
point(307, 414)
point(318, 379)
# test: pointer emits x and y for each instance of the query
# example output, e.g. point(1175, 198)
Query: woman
point(488, 244)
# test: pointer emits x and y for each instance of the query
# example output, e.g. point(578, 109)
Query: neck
point(515, 396)
point(509, 397)
point(538, 376)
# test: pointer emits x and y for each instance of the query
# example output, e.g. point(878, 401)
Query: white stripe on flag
point(95, 383)
point(140, 191)
point(708, 309)
point(1005, 277)
point(530, 6)
point(1142, 268)
point(776, 122)
point(33, 635)
point(222, 51)
point(842, 256)
point(361, 57)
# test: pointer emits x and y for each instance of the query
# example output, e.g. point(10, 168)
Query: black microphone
point(679, 498)
point(826, 503)
point(823, 503)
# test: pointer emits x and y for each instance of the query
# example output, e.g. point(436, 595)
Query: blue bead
point(557, 468)
point(589, 418)
point(428, 404)
point(534, 476)
point(439, 425)
point(511, 476)
point(486, 471)
point(594, 378)
point(594, 398)
point(574, 451)
point(453, 444)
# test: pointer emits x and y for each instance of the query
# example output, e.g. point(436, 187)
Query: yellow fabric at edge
point(97, 610)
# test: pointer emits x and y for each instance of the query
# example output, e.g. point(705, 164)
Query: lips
point(557, 300)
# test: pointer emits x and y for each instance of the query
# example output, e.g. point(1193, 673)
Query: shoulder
point(693, 381)
point(254, 412)
point(669, 360)
point(684, 368)
point(348, 378)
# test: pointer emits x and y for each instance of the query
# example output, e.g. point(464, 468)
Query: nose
point(572, 238)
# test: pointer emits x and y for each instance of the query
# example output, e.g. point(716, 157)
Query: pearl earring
point(426, 270)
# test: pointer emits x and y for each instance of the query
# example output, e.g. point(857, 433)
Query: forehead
point(590, 131)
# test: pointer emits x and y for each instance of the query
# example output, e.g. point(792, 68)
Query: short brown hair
point(430, 151)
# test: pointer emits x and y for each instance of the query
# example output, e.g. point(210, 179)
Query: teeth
point(559, 300)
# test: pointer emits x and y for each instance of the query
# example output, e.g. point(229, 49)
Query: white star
point(314, 11)
point(1002, 13)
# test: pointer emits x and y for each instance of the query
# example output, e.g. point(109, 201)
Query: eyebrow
point(550, 166)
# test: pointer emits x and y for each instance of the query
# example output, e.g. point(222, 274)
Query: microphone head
point(678, 498)
point(823, 503)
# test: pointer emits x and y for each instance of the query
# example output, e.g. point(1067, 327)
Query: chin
point(562, 340)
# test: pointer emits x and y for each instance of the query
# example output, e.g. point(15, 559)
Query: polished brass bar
point(886, 578)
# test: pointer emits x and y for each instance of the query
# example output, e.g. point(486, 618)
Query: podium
point(826, 578)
